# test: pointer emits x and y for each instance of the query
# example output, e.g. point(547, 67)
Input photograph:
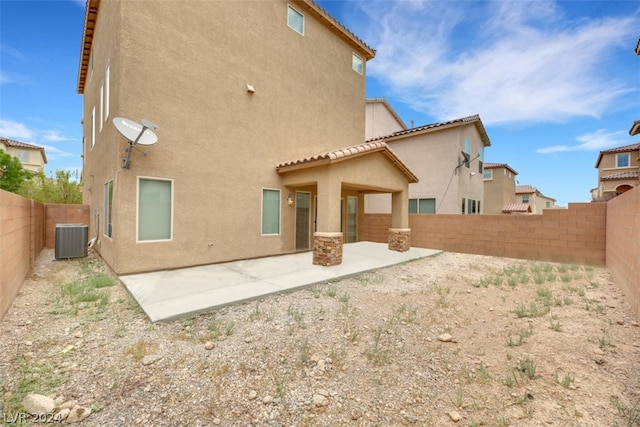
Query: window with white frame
point(525, 198)
point(108, 202)
point(422, 206)
point(488, 174)
point(357, 63)
point(101, 104)
point(155, 209)
point(270, 211)
point(93, 127)
point(295, 19)
point(107, 83)
point(622, 160)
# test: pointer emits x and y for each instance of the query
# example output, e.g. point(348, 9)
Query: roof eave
point(329, 21)
point(635, 128)
point(90, 17)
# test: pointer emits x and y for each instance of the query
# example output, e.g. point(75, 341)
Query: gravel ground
point(454, 339)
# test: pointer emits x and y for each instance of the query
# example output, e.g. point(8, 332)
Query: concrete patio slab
point(167, 295)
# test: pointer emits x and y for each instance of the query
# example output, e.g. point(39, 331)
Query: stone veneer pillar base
point(327, 249)
point(399, 239)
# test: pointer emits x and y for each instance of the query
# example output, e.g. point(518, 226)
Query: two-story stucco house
point(32, 157)
point(448, 159)
point(260, 113)
point(500, 190)
point(534, 198)
point(617, 171)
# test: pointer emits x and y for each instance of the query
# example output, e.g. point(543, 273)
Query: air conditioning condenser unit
point(71, 240)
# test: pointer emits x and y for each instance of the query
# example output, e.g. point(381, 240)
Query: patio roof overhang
point(365, 157)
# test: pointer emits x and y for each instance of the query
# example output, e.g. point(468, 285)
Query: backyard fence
point(603, 234)
point(25, 228)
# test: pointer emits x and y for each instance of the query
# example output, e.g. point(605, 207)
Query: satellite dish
point(136, 133)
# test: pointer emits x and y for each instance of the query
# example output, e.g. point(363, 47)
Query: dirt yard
point(451, 340)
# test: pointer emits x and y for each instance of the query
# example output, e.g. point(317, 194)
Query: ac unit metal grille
point(71, 240)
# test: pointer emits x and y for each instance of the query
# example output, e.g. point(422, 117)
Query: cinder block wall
point(573, 235)
point(63, 214)
point(623, 245)
point(21, 237)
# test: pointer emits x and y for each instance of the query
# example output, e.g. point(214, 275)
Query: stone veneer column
point(327, 248)
point(399, 239)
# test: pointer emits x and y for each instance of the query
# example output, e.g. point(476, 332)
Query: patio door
point(352, 219)
point(303, 220)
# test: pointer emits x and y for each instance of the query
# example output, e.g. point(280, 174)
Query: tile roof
point(516, 207)
point(475, 119)
point(635, 128)
point(621, 175)
point(525, 189)
point(351, 152)
point(622, 149)
point(500, 165)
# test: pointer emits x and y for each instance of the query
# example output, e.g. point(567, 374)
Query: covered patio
point(357, 170)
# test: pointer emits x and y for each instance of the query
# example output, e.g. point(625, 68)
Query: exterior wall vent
point(71, 240)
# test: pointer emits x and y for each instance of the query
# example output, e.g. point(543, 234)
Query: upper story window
point(488, 174)
point(107, 83)
point(22, 155)
point(525, 198)
point(622, 160)
point(357, 64)
point(295, 20)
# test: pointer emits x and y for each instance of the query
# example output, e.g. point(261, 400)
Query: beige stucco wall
point(218, 143)
point(380, 121)
point(433, 157)
point(499, 190)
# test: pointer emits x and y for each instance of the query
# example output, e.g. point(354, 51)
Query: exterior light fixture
point(290, 200)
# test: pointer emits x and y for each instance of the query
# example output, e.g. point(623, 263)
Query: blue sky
point(554, 82)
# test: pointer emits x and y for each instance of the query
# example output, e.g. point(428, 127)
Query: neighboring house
point(448, 159)
point(32, 157)
point(381, 119)
point(617, 171)
point(534, 198)
point(254, 102)
point(500, 190)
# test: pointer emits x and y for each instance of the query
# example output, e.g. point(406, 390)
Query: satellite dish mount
point(136, 134)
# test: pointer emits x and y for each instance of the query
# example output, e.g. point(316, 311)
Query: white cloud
point(54, 136)
point(597, 141)
point(54, 153)
point(15, 130)
point(508, 61)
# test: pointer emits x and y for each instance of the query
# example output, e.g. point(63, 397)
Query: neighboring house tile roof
point(621, 175)
point(622, 149)
point(18, 144)
point(475, 119)
point(516, 207)
point(525, 189)
point(500, 165)
point(350, 152)
point(635, 128)
point(528, 189)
